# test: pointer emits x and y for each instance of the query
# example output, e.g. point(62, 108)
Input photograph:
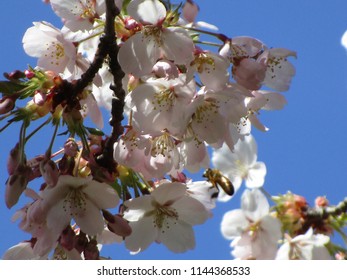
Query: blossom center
point(154, 32)
point(163, 145)
point(204, 111)
point(55, 52)
point(163, 100)
point(162, 215)
point(75, 202)
point(203, 60)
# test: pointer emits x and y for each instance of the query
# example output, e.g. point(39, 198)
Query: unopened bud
point(81, 242)
point(6, 105)
point(165, 69)
point(13, 160)
point(91, 251)
point(190, 11)
point(39, 98)
point(71, 147)
point(67, 238)
point(29, 74)
point(15, 75)
point(117, 224)
point(321, 201)
point(49, 172)
point(16, 184)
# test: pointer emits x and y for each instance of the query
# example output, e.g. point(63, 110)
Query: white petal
point(58, 218)
point(102, 194)
point(138, 55)
point(138, 207)
point(256, 175)
point(344, 40)
point(178, 46)
point(254, 204)
point(233, 223)
point(190, 210)
point(147, 11)
point(177, 236)
point(283, 252)
point(168, 193)
point(90, 220)
point(21, 251)
point(275, 100)
point(143, 234)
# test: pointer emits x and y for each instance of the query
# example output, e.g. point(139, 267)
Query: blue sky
point(305, 149)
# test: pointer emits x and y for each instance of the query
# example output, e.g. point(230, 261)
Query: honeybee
point(216, 178)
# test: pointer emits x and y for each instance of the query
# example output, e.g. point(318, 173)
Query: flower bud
point(39, 98)
point(49, 172)
point(81, 242)
point(6, 105)
point(13, 160)
point(71, 147)
point(190, 11)
point(29, 74)
point(321, 201)
point(165, 69)
point(67, 238)
point(14, 75)
point(249, 73)
point(117, 224)
point(16, 184)
point(91, 251)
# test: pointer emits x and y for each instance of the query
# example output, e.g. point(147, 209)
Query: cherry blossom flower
point(211, 68)
point(165, 216)
point(33, 221)
point(241, 163)
point(142, 50)
point(48, 44)
point(263, 100)
point(80, 199)
point(22, 251)
point(189, 13)
point(161, 104)
point(308, 246)
point(279, 71)
point(255, 233)
point(78, 14)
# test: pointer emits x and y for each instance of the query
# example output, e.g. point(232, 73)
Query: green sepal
point(10, 88)
point(94, 131)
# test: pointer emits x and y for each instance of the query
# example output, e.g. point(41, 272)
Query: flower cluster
point(173, 98)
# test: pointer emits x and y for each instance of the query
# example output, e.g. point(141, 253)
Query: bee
point(216, 178)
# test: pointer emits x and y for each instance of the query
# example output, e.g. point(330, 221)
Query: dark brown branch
point(106, 158)
point(314, 217)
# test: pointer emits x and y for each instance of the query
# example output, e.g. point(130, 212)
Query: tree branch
point(314, 217)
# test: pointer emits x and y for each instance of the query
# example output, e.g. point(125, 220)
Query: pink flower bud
point(16, 184)
point(49, 172)
point(70, 147)
point(29, 74)
point(6, 105)
point(15, 75)
point(165, 69)
point(91, 251)
point(130, 23)
point(67, 238)
point(249, 73)
point(13, 160)
point(39, 98)
point(321, 201)
point(119, 226)
point(190, 11)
